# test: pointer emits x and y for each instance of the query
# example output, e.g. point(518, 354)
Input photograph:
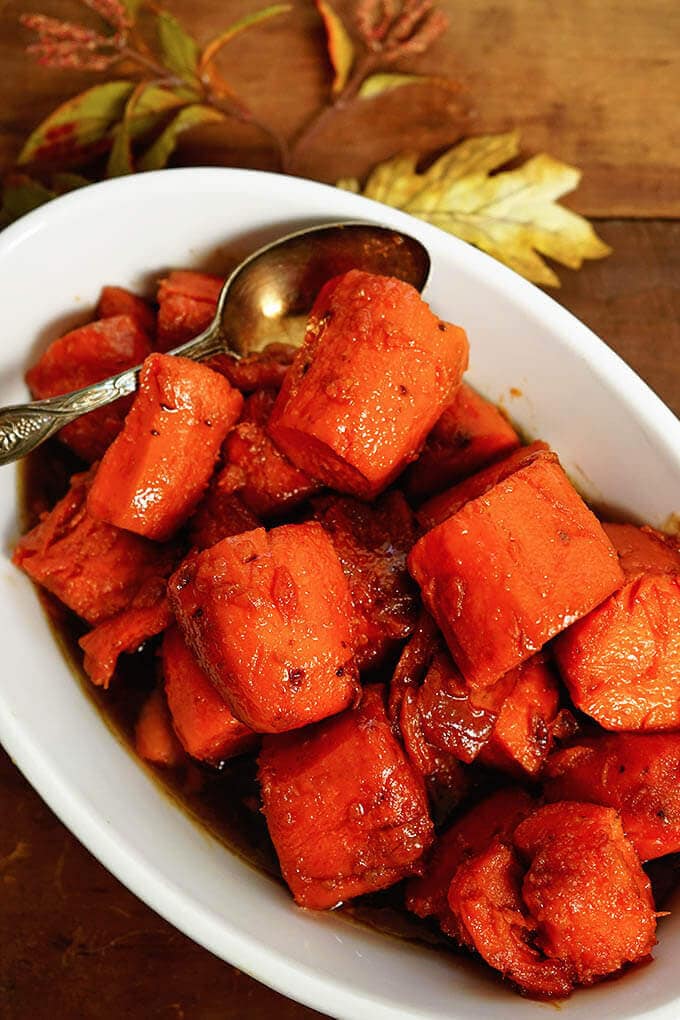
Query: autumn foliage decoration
point(170, 84)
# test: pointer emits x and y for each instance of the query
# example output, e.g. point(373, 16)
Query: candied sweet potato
point(470, 434)
point(155, 739)
point(148, 614)
point(522, 735)
point(643, 550)
point(93, 568)
point(269, 617)
point(375, 371)
point(485, 898)
point(187, 302)
point(265, 480)
point(621, 663)
point(152, 477)
point(80, 358)
point(472, 833)
point(119, 301)
point(219, 515)
point(263, 370)
point(436, 510)
point(202, 719)
point(584, 888)
point(637, 774)
point(345, 810)
point(372, 543)
point(512, 568)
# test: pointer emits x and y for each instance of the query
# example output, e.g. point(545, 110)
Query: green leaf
point(152, 105)
point(191, 116)
point(180, 50)
point(340, 46)
point(120, 158)
point(77, 127)
point(20, 195)
point(377, 84)
point(239, 26)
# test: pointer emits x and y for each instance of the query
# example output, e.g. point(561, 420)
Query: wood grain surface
point(593, 82)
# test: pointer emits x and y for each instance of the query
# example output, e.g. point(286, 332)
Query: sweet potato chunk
point(497, 815)
point(470, 434)
point(643, 550)
point(149, 614)
point(92, 567)
point(153, 475)
point(374, 373)
point(187, 302)
point(454, 718)
point(155, 739)
point(585, 890)
point(522, 736)
point(202, 719)
point(345, 810)
point(268, 615)
point(80, 358)
point(438, 509)
point(264, 370)
point(513, 568)
point(638, 774)
point(264, 478)
point(373, 543)
point(485, 898)
point(119, 301)
point(621, 663)
point(219, 515)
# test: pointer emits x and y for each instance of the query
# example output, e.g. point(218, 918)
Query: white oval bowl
point(615, 437)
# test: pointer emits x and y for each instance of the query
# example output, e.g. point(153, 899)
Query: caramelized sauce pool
point(224, 800)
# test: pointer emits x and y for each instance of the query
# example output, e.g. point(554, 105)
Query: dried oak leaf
point(512, 215)
point(339, 43)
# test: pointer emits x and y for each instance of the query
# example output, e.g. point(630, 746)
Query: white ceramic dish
point(619, 442)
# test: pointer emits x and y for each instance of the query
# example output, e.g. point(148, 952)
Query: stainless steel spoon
point(266, 299)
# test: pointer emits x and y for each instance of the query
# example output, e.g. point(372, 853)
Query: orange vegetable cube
point(268, 616)
point(92, 567)
point(513, 568)
point(119, 301)
point(219, 515)
point(202, 719)
point(187, 302)
point(471, 834)
point(522, 735)
point(155, 739)
point(621, 663)
point(373, 543)
point(638, 774)
point(264, 478)
point(154, 474)
point(265, 369)
point(148, 615)
point(585, 889)
point(345, 810)
point(470, 434)
point(80, 358)
point(376, 370)
point(436, 510)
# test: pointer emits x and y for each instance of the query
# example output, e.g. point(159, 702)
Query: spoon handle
point(23, 427)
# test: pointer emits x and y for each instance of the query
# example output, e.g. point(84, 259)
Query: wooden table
point(594, 83)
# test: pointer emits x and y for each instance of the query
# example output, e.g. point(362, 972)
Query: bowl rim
point(215, 932)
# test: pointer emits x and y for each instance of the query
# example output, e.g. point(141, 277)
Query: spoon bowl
point(266, 299)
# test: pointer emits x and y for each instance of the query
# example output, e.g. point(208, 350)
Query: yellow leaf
point(76, 128)
point(340, 46)
point(512, 215)
point(378, 84)
point(180, 50)
point(158, 154)
point(239, 26)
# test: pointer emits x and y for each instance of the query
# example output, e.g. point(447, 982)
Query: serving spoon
point(265, 299)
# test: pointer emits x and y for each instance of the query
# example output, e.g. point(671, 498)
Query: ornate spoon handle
point(25, 426)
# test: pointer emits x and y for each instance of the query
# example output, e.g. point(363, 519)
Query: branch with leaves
point(135, 123)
